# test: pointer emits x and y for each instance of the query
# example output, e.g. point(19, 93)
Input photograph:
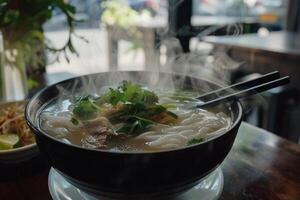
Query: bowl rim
point(19, 149)
point(37, 129)
point(23, 148)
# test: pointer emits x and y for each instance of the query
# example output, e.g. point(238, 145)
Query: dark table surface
point(281, 42)
point(259, 166)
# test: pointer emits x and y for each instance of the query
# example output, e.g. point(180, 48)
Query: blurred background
point(225, 40)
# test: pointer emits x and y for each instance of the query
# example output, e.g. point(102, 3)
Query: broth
point(191, 126)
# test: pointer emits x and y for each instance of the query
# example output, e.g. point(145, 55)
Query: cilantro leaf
point(135, 125)
point(139, 108)
point(85, 109)
point(195, 141)
point(128, 92)
point(74, 121)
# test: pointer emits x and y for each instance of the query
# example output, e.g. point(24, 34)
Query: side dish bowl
point(18, 154)
point(131, 174)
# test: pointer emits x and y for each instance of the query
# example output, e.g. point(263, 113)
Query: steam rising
point(214, 66)
point(168, 56)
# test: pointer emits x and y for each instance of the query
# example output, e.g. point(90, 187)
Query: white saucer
point(209, 189)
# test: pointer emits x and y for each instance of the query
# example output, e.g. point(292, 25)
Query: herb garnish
point(134, 107)
point(85, 109)
point(195, 141)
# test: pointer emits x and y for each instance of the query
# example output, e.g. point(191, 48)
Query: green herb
point(22, 26)
point(138, 107)
point(195, 141)
point(136, 117)
point(131, 117)
point(74, 121)
point(85, 109)
point(128, 92)
point(135, 125)
point(21, 22)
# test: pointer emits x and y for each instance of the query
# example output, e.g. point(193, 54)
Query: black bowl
point(124, 174)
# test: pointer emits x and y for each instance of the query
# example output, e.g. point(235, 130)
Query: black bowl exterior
point(130, 173)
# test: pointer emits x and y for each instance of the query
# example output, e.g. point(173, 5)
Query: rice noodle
point(58, 125)
point(191, 124)
point(198, 125)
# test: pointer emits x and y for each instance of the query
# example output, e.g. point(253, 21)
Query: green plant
point(21, 23)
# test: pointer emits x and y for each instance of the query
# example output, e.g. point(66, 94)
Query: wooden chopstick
point(239, 86)
point(247, 92)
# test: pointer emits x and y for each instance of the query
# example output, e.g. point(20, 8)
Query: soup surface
point(132, 118)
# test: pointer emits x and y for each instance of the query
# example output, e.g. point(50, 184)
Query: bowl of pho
point(131, 134)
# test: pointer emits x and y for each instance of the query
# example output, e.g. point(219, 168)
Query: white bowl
point(19, 154)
